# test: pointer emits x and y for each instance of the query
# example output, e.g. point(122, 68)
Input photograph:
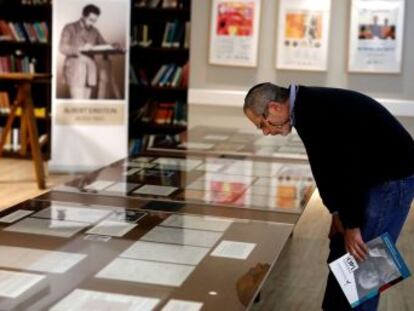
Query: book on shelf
point(169, 4)
point(185, 75)
point(135, 146)
point(12, 142)
point(35, 2)
point(171, 75)
point(138, 77)
point(39, 112)
point(138, 145)
point(24, 31)
point(153, 3)
point(165, 4)
point(174, 34)
point(153, 111)
point(159, 74)
point(187, 34)
point(146, 112)
point(167, 34)
point(141, 35)
point(164, 113)
point(4, 102)
point(178, 35)
point(133, 78)
point(17, 63)
point(383, 268)
point(167, 77)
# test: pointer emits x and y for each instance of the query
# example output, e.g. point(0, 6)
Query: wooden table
point(28, 125)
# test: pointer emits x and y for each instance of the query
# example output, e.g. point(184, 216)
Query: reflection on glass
point(248, 284)
point(213, 180)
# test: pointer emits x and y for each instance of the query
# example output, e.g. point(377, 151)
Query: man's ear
point(274, 106)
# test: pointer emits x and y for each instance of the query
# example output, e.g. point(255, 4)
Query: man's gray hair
point(261, 94)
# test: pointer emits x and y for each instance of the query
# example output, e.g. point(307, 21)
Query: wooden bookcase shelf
point(13, 11)
point(149, 60)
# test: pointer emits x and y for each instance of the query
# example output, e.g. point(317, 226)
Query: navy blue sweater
point(353, 143)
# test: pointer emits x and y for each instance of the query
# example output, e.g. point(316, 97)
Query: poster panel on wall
point(376, 36)
point(90, 83)
point(303, 33)
point(234, 32)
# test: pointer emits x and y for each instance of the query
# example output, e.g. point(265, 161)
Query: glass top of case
point(65, 256)
point(252, 184)
point(221, 140)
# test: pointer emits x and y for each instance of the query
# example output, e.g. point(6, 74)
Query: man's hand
point(355, 245)
point(336, 226)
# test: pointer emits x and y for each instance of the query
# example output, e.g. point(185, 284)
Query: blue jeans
point(387, 209)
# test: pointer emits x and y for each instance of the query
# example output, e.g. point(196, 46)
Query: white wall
point(211, 84)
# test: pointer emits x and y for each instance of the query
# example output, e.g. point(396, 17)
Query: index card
point(121, 187)
point(38, 260)
point(142, 159)
point(180, 254)
point(235, 250)
point(16, 215)
point(197, 222)
point(59, 211)
point(216, 137)
point(140, 271)
point(178, 164)
point(155, 190)
point(182, 236)
point(13, 284)
point(98, 185)
point(210, 167)
point(131, 172)
point(136, 164)
point(196, 145)
point(112, 228)
point(51, 227)
point(87, 300)
point(182, 305)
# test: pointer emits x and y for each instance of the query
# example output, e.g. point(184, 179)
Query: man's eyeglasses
point(264, 120)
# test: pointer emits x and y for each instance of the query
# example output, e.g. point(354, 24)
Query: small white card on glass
point(234, 250)
point(88, 300)
point(15, 216)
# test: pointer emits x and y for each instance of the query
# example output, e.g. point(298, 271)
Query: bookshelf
point(25, 46)
point(159, 71)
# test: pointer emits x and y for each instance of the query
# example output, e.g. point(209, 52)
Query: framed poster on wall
point(303, 35)
point(376, 36)
point(234, 32)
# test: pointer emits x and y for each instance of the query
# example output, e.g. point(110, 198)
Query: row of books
point(36, 2)
point(24, 31)
point(167, 4)
point(13, 142)
point(153, 111)
point(39, 112)
point(4, 102)
point(17, 63)
point(176, 34)
point(138, 76)
point(171, 75)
